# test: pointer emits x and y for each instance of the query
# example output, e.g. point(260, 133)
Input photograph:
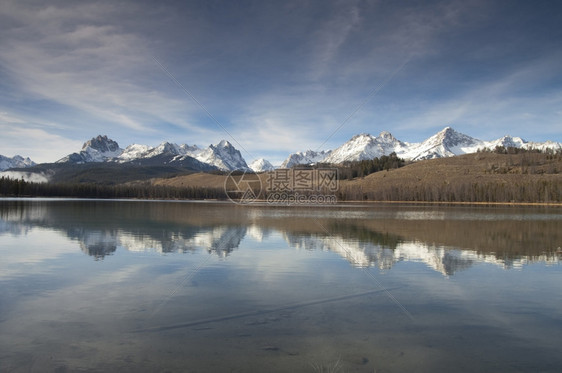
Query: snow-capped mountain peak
point(102, 149)
point(136, 151)
point(451, 138)
point(508, 141)
point(167, 148)
point(385, 135)
point(223, 156)
point(15, 162)
point(445, 143)
point(307, 157)
point(261, 165)
point(224, 144)
point(97, 149)
point(365, 146)
point(101, 144)
point(190, 149)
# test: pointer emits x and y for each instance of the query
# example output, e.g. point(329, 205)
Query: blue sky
point(278, 76)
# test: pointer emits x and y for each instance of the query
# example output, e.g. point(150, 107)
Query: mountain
point(15, 162)
point(445, 143)
point(101, 159)
point(224, 156)
point(307, 157)
point(365, 146)
point(517, 142)
point(261, 165)
point(136, 151)
point(507, 141)
point(98, 149)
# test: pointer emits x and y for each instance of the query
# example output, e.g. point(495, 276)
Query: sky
point(275, 77)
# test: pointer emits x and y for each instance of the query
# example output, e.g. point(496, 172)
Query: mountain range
point(445, 143)
point(225, 157)
point(222, 156)
point(15, 162)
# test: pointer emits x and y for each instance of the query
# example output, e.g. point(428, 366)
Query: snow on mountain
point(307, 157)
point(445, 143)
point(223, 156)
point(15, 162)
point(192, 150)
point(136, 151)
point(448, 143)
point(261, 165)
point(517, 142)
point(18, 161)
point(506, 141)
point(98, 149)
point(542, 145)
point(365, 146)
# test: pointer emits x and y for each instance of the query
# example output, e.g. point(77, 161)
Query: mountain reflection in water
point(445, 239)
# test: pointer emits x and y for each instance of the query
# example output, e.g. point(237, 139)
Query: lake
point(167, 286)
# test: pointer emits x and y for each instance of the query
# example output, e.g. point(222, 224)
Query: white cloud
point(506, 105)
point(27, 176)
point(64, 55)
point(30, 248)
point(38, 144)
point(89, 67)
point(329, 38)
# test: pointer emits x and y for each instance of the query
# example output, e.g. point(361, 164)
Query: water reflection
point(166, 286)
point(220, 240)
point(364, 237)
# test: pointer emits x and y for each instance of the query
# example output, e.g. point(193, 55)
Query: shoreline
point(549, 204)
point(266, 203)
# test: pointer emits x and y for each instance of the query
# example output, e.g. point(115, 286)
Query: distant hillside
point(103, 173)
point(480, 177)
point(200, 179)
point(524, 177)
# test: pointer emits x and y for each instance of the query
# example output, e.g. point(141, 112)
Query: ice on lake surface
point(214, 287)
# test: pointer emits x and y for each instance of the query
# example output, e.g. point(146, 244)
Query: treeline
point(352, 169)
point(530, 191)
point(21, 188)
point(515, 150)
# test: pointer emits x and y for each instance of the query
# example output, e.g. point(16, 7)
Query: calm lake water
point(137, 286)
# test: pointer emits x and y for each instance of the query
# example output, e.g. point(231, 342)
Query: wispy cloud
point(62, 54)
point(509, 104)
point(279, 76)
point(327, 40)
point(36, 143)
